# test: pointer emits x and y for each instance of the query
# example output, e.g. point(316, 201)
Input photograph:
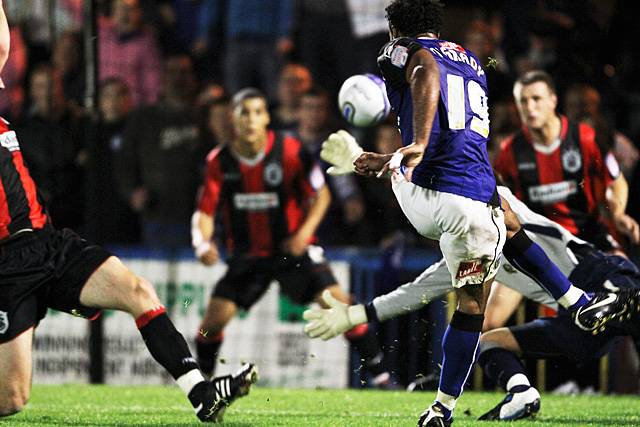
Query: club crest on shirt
point(273, 174)
point(571, 160)
point(4, 322)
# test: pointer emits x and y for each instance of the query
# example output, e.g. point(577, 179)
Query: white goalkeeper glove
point(333, 321)
point(341, 150)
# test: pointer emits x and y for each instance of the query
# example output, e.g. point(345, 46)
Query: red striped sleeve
point(210, 193)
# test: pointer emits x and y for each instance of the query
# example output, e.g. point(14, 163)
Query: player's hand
point(296, 245)
point(207, 253)
point(628, 226)
point(333, 321)
point(341, 150)
point(370, 164)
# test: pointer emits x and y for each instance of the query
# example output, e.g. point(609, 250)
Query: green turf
point(76, 405)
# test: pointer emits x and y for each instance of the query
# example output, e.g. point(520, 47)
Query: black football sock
point(367, 345)
point(169, 349)
point(208, 349)
point(505, 369)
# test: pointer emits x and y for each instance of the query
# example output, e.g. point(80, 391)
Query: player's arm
point(423, 77)
point(433, 283)
point(5, 42)
point(297, 244)
point(202, 221)
point(202, 227)
point(617, 197)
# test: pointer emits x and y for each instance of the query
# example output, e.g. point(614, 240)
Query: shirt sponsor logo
point(553, 193)
point(4, 322)
point(399, 56)
point(9, 140)
point(526, 166)
point(254, 202)
point(571, 160)
point(469, 268)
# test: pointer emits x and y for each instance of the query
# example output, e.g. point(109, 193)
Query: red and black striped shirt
point(566, 184)
point(20, 208)
point(261, 203)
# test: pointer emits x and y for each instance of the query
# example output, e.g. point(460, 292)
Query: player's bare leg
point(15, 371)
point(219, 313)
point(364, 341)
point(113, 286)
point(498, 358)
point(501, 305)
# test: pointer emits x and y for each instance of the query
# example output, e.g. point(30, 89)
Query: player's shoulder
point(213, 157)
point(394, 56)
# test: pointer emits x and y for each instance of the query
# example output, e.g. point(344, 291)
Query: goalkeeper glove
point(341, 150)
point(334, 321)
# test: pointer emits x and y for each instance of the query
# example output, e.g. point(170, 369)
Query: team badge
point(273, 174)
point(4, 322)
point(399, 56)
point(571, 160)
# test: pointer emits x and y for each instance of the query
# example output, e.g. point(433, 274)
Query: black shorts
point(41, 269)
point(550, 337)
point(247, 279)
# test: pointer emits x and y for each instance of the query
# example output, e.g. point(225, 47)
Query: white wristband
point(202, 248)
point(396, 161)
point(357, 314)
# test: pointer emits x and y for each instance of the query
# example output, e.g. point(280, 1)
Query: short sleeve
point(393, 59)
point(210, 191)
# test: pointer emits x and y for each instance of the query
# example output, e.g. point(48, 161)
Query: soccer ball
point(363, 100)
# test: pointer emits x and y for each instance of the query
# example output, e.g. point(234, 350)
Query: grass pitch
point(83, 405)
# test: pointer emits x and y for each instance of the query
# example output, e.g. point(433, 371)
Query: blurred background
point(92, 85)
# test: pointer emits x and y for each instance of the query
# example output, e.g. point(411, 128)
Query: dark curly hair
point(412, 17)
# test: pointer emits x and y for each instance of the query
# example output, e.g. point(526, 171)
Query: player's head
point(410, 18)
point(581, 102)
point(536, 98)
point(4, 42)
point(315, 109)
point(127, 15)
point(250, 118)
point(115, 99)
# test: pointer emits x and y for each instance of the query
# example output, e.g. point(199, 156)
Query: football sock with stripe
point(505, 369)
point(459, 345)
point(169, 349)
point(528, 257)
point(208, 349)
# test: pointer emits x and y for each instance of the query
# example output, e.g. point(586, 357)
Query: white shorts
point(471, 233)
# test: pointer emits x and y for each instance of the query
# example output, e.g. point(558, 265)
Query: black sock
point(367, 345)
point(208, 350)
point(165, 343)
point(501, 365)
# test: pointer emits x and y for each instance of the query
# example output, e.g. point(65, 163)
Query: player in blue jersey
point(444, 183)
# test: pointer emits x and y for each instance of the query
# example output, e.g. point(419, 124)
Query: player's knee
point(471, 299)
point(13, 403)
point(140, 293)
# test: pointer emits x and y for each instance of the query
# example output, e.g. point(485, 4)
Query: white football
point(363, 100)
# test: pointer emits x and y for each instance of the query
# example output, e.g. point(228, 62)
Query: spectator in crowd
point(257, 37)
point(52, 145)
point(582, 103)
point(316, 123)
point(216, 122)
point(109, 218)
point(158, 166)
point(370, 32)
point(295, 79)
point(68, 60)
point(13, 75)
point(326, 42)
point(128, 50)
